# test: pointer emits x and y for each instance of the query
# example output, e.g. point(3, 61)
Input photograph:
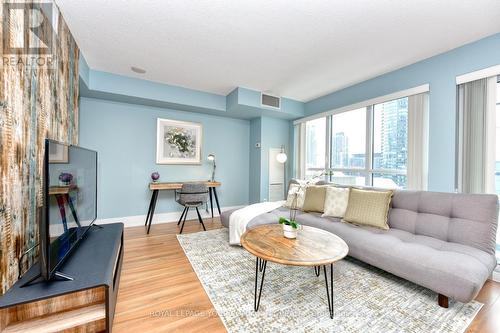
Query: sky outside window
point(349, 139)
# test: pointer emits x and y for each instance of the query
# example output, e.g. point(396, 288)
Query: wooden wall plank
point(35, 103)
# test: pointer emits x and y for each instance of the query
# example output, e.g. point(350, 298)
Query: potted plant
point(290, 225)
point(290, 228)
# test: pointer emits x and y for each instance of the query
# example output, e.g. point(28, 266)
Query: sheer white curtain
point(300, 150)
point(476, 136)
point(418, 141)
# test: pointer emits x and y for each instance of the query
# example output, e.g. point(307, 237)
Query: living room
point(250, 166)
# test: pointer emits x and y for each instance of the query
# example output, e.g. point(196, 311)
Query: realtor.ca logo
point(28, 34)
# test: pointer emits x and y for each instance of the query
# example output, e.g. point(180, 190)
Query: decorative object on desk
point(65, 178)
point(211, 158)
point(178, 142)
point(281, 157)
point(155, 176)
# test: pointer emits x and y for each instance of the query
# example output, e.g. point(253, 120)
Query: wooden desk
point(55, 190)
point(172, 186)
point(62, 193)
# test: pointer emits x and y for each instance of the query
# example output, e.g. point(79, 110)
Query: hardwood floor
point(160, 292)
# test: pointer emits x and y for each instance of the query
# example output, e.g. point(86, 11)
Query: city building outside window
point(365, 146)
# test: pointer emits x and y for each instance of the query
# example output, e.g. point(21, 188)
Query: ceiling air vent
point(270, 101)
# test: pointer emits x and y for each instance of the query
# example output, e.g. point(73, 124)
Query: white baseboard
point(138, 220)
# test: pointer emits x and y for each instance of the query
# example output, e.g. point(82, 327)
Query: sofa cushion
point(314, 200)
point(451, 269)
point(468, 219)
point(295, 190)
point(367, 207)
point(336, 201)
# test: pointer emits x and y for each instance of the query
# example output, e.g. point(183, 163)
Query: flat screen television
point(70, 203)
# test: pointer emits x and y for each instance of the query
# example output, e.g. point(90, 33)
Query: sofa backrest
point(468, 219)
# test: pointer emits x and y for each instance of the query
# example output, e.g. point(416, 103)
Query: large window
point(348, 148)
point(348, 137)
point(390, 143)
point(315, 146)
point(365, 146)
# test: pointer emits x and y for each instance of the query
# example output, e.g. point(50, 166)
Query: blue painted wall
point(246, 103)
point(104, 82)
point(83, 70)
point(440, 72)
point(270, 133)
point(275, 133)
point(125, 137)
point(241, 103)
point(255, 160)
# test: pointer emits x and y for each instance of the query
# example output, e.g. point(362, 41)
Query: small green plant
point(292, 223)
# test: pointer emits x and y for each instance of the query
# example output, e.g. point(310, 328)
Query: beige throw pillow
point(292, 190)
point(336, 201)
point(368, 207)
point(314, 200)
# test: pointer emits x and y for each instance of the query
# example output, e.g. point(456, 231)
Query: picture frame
point(178, 142)
point(58, 154)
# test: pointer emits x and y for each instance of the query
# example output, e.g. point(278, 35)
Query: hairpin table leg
point(260, 266)
point(329, 293)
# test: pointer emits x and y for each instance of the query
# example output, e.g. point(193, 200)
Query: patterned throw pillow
point(292, 190)
point(336, 201)
point(368, 207)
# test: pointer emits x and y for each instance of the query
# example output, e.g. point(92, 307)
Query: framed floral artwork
point(178, 142)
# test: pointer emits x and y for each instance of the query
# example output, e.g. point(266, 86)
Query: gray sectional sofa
point(442, 241)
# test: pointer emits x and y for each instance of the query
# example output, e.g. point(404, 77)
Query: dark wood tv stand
point(85, 304)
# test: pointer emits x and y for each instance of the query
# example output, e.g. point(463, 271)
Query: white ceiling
point(299, 49)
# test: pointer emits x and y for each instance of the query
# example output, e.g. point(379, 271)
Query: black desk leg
point(155, 197)
point(211, 201)
point(73, 210)
point(216, 200)
point(150, 205)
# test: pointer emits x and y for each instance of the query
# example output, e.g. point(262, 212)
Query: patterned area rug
point(294, 299)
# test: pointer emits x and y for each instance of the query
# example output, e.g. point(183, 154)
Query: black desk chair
point(191, 195)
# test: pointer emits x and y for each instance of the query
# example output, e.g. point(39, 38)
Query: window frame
point(368, 171)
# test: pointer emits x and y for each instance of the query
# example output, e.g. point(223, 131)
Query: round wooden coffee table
point(312, 247)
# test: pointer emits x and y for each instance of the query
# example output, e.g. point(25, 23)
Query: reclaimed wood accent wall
point(36, 102)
